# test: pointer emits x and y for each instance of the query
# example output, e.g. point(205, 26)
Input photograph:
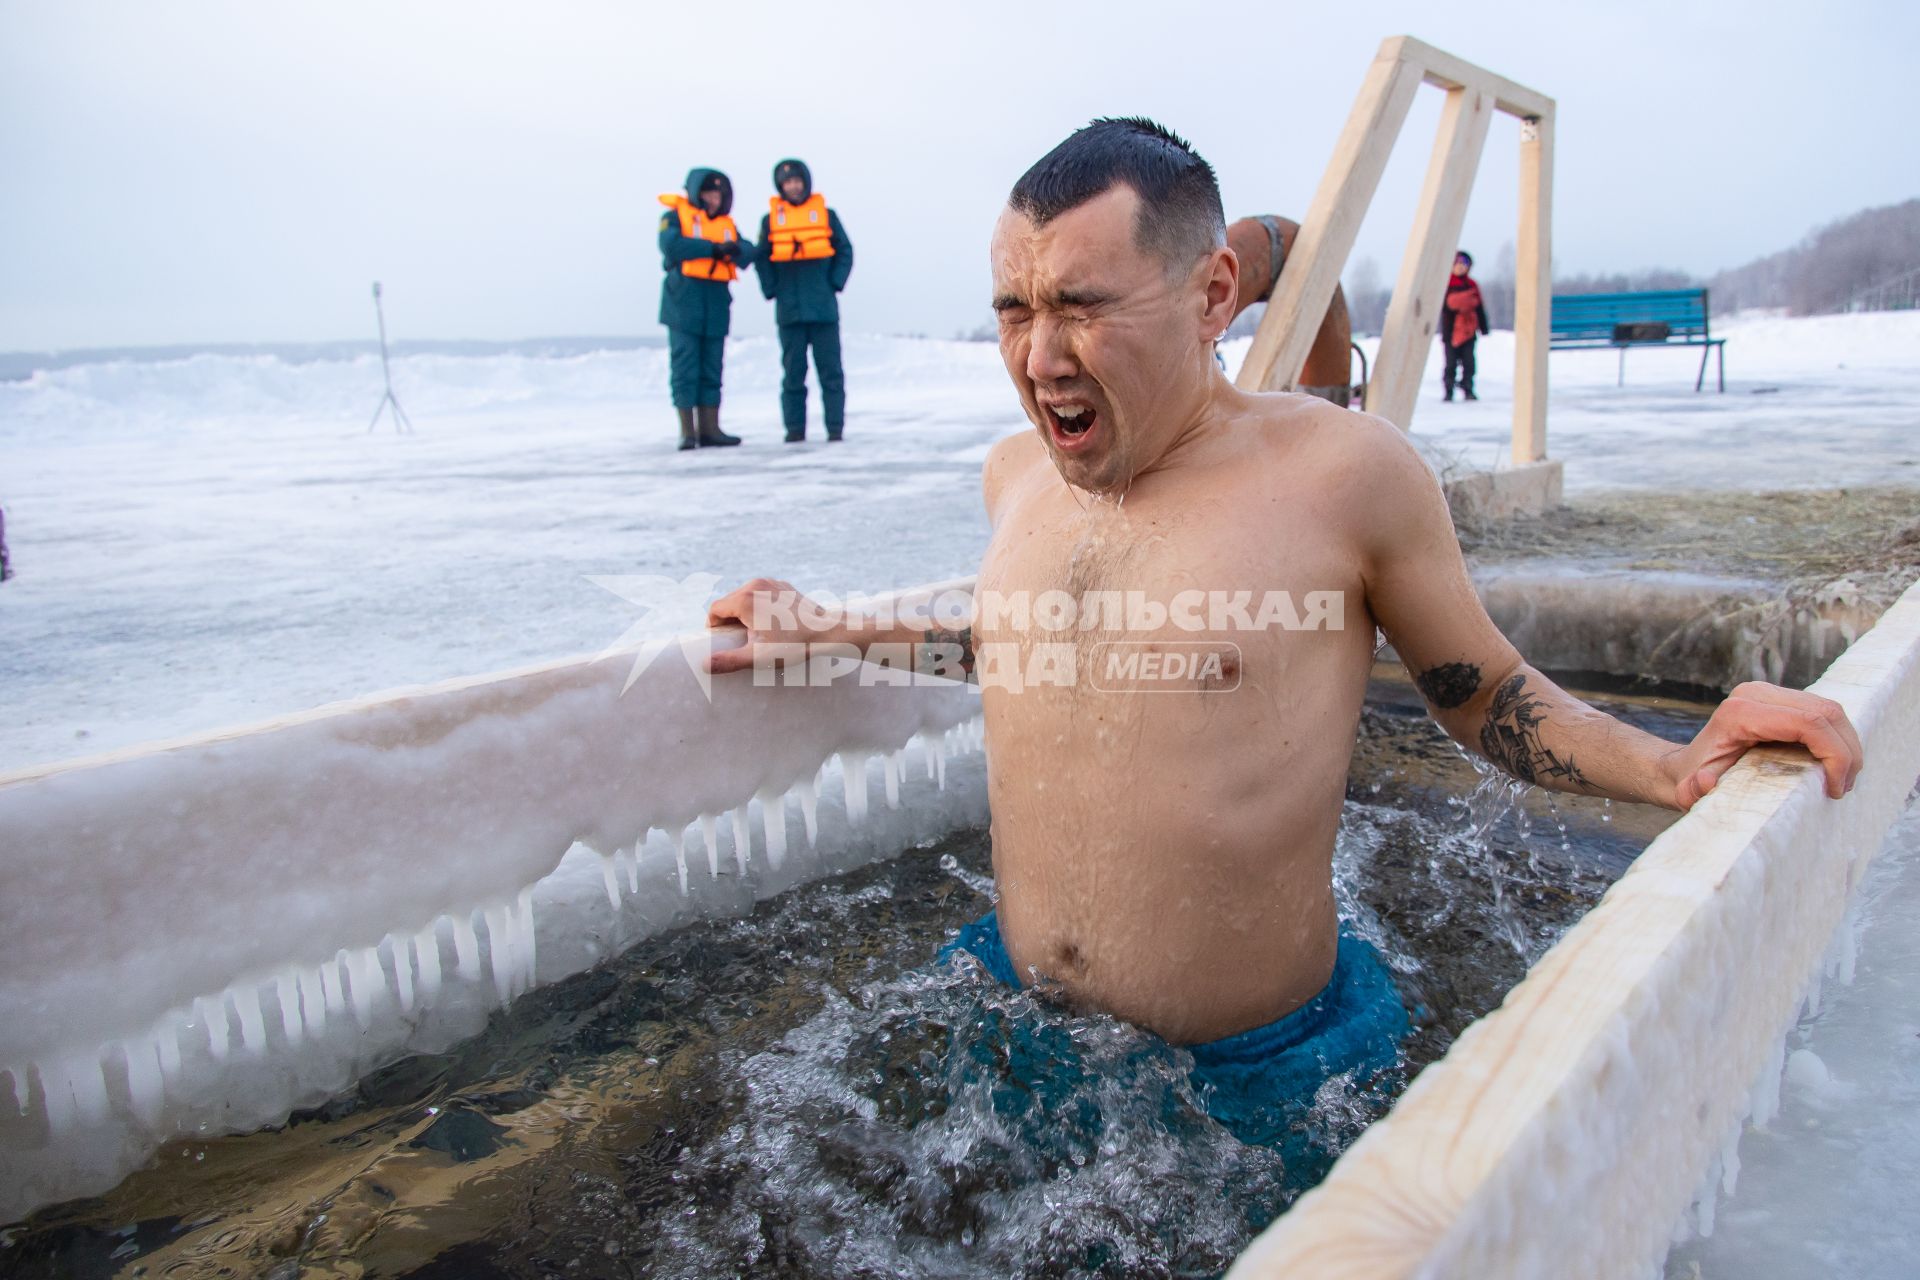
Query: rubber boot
point(689, 434)
point(711, 436)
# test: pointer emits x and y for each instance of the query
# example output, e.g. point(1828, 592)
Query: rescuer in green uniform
point(804, 260)
point(702, 252)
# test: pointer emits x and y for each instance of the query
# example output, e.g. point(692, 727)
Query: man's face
point(793, 187)
point(1111, 356)
point(710, 197)
point(1459, 266)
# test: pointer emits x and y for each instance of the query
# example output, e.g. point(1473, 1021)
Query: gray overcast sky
point(201, 172)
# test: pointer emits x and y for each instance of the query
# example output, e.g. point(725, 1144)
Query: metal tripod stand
point(400, 422)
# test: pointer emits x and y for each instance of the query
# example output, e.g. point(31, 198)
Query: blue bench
point(1663, 318)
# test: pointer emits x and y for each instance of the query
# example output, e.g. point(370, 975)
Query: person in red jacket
point(1463, 319)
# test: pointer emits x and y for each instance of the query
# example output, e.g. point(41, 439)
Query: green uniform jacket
point(803, 292)
point(703, 307)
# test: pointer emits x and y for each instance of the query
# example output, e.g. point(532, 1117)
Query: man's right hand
point(771, 612)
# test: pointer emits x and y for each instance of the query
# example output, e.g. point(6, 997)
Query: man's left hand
point(1755, 714)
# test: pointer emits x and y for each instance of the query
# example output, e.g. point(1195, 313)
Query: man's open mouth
point(1071, 423)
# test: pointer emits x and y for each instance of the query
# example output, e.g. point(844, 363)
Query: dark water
point(803, 1093)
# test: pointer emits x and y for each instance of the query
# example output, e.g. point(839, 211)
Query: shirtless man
point(1167, 857)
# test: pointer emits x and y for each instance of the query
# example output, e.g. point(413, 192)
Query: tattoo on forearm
point(945, 653)
point(1511, 738)
point(1449, 685)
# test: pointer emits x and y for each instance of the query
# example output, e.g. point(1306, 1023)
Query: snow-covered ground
point(1822, 401)
point(218, 539)
point(211, 540)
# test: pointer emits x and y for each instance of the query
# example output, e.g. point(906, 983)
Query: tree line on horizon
point(1830, 267)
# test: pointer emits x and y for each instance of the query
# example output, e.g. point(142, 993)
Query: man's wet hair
point(1181, 216)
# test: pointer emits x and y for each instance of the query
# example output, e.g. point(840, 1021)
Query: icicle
point(809, 797)
point(288, 995)
point(214, 1014)
point(939, 751)
point(365, 979)
point(1844, 952)
point(426, 952)
point(809, 794)
point(402, 971)
point(609, 875)
point(895, 768)
point(56, 1095)
point(710, 828)
point(1765, 1103)
point(523, 928)
point(1730, 1162)
point(742, 839)
point(466, 947)
point(500, 950)
point(90, 1089)
point(332, 986)
point(253, 1027)
point(75, 1090)
point(313, 1000)
point(926, 755)
point(145, 1088)
point(166, 1043)
point(680, 859)
point(773, 824)
point(633, 862)
point(853, 777)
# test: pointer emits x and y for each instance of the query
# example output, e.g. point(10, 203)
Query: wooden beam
point(1327, 233)
point(1415, 313)
point(1442, 69)
point(1533, 290)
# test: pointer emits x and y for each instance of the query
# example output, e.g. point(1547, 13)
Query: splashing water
point(938, 1124)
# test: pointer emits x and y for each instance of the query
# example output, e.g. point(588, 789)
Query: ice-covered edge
point(129, 1012)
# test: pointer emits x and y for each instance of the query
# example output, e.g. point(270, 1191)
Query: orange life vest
point(696, 224)
point(799, 231)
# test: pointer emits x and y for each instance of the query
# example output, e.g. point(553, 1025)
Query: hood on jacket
point(698, 178)
point(787, 168)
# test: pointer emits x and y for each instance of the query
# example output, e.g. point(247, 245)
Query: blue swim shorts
point(1260, 1083)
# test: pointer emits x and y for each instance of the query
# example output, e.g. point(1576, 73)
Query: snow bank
point(207, 933)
